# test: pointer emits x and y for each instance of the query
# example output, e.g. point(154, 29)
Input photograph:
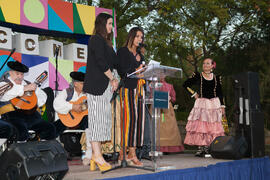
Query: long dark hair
point(100, 27)
point(131, 36)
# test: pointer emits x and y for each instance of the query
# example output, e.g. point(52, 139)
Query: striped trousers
point(133, 116)
point(99, 116)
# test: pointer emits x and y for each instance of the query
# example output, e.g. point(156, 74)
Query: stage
point(186, 166)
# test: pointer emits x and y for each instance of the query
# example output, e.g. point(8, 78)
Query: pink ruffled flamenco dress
point(204, 122)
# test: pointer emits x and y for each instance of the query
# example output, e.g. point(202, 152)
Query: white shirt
point(17, 90)
point(62, 106)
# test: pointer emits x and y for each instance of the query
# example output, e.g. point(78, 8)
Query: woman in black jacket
point(99, 84)
point(130, 59)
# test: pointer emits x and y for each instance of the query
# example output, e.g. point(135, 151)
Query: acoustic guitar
point(5, 88)
point(72, 118)
point(4, 108)
point(29, 100)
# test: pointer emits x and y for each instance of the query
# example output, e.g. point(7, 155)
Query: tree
point(182, 33)
point(188, 31)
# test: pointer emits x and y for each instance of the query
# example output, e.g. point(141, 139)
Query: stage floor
point(177, 161)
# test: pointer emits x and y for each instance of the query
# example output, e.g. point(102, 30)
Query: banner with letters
point(50, 16)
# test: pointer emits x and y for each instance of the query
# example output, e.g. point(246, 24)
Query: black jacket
point(101, 58)
point(206, 88)
point(127, 64)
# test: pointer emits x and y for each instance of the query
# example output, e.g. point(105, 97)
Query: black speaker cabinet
point(254, 134)
point(228, 147)
point(33, 160)
point(247, 85)
point(249, 119)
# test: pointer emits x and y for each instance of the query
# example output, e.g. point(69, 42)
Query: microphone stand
point(10, 54)
point(56, 71)
point(113, 99)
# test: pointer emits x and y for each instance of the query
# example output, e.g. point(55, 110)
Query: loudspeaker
point(247, 86)
point(34, 160)
point(254, 134)
point(249, 119)
point(228, 147)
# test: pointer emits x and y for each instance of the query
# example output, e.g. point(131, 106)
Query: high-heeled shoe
point(102, 167)
point(92, 165)
point(121, 156)
point(134, 161)
point(133, 158)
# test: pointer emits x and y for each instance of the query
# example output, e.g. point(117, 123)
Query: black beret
point(17, 66)
point(77, 76)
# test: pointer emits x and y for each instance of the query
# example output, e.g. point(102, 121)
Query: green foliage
point(236, 34)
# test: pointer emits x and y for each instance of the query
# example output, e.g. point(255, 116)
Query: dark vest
point(70, 93)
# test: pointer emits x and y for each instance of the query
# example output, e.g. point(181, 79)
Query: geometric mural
point(64, 69)
point(10, 11)
point(36, 65)
point(80, 66)
point(55, 15)
point(3, 56)
point(60, 15)
point(34, 13)
point(84, 18)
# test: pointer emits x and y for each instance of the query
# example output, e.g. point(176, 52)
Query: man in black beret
point(22, 121)
point(62, 103)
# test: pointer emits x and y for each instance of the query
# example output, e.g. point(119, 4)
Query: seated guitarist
point(18, 118)
point(62, 105)
point(62, 102)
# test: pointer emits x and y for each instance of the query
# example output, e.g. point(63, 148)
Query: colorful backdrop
point(38, 64)
point(55, 15)
point(51, 16)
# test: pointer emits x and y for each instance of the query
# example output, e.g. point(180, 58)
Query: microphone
point(142, 45)
point(143, 63)
point(56, 51)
